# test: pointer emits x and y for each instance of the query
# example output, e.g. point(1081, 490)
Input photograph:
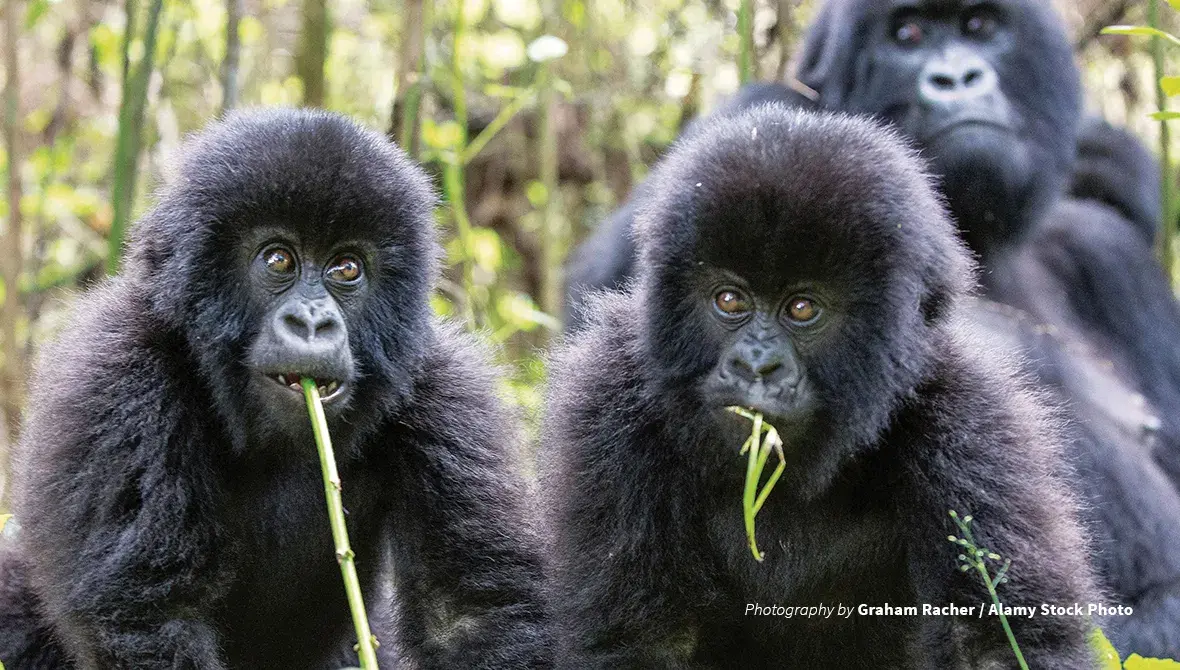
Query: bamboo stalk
point(1167, 172)
point(127, 144)
point(344, 554)
point(746, 55)
point(454, 174)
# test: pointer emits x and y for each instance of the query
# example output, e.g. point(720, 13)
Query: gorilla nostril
point(297, 326)
point(758, 369)
point(942, 81)
point(973, 77)
point(325, 327)
point(769, 368)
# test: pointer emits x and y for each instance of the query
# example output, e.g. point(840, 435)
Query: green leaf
point(4, 520)
point(33, 14)
point(1141, 31)
point(1137, 662)
point(1171, 85)
point(1165, 116)
point(1175, 4)
point(1108, 658)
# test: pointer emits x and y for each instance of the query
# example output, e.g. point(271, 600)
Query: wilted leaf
point(1142, 31)
point(1108, 658)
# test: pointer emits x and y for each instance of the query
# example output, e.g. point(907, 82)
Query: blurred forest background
point(537, 117)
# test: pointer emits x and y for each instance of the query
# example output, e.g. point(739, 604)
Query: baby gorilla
point(170, 495)
point(802, 266)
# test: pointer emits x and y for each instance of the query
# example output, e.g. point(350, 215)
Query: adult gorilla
point(990, 93)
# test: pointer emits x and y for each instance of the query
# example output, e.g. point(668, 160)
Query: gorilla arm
point(969, 437)
point(619, 543)
point(128, 521)
point(465, 556)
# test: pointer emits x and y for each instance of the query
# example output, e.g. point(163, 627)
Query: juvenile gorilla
point(172, 506)
point(606, 259)
point(800, 265)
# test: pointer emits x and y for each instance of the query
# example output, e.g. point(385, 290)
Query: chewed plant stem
point(757, 449)
point(344, 556)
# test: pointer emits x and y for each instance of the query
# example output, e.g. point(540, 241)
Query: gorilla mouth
point(963, 123)
point(329, 389)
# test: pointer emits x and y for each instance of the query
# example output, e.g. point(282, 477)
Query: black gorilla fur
point(173, 516)
point(606, 260)
point(1115, 168)
point(1081, 268)
point(911, 417)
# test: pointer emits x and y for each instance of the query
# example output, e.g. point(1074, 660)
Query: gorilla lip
point(329, 389)
point(967, 122)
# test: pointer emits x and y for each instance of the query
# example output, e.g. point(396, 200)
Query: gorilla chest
point(813, 554)
point(286, 577)
point(836, 557)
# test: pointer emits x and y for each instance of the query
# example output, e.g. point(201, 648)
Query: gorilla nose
point(310, 323)
point(765, 364)
point(956, 77)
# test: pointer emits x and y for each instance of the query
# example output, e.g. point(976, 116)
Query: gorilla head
point(301, 280)
point(989, 90)
point(820, 326)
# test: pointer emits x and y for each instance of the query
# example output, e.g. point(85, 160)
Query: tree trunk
point(10, 312)
point(403, 122)
point(313, 51)
point(233, 53)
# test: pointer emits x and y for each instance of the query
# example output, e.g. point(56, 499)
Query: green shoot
point(975, 557)
point(344, 556)
point(763, 439)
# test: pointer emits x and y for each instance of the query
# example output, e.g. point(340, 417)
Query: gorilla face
point(987, 89)
point(323, 237)
point(305, 298)
point(794, 274)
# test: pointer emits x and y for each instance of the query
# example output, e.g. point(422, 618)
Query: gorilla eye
point(980, 25)
point(802, 310)
point(279, 260)
point(908, 32)
point(731, 303)
point(345, 270)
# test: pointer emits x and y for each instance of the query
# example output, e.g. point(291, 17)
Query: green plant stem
point(129, 138)
point(551, 223)
point(750, 493)
point(1167, 173)
point(745, 29)
point(344, 555)
point(454, 177)
point(991, 589)
point(503, 118)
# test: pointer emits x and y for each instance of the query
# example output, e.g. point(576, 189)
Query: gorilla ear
point(825, 61)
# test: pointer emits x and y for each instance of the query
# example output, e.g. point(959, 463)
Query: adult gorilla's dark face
point(293, 250)
point(988, 90)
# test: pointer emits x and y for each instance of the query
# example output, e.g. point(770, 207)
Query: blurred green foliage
point(632, 74)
